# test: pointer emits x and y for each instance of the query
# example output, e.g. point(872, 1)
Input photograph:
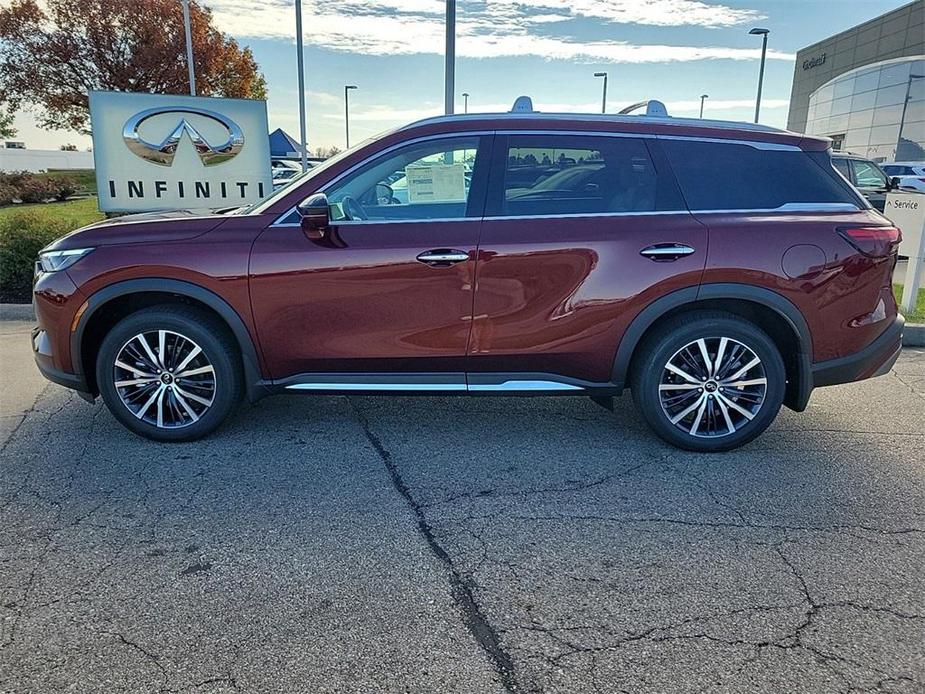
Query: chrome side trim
point(786, 207)
point(444, 387)
point(522, 386)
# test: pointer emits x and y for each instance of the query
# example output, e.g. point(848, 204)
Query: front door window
point(423, 181)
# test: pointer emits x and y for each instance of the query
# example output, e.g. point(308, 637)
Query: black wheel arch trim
point(798, 392)
point(250, 358)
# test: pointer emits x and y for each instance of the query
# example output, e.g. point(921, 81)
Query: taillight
point(876, 242)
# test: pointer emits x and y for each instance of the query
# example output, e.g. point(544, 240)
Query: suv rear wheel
point(169, 373)
point(709, 381)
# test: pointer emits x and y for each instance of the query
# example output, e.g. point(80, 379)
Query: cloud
point(487, 28)
point(386, 115)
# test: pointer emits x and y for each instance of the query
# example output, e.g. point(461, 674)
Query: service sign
point(164, 151)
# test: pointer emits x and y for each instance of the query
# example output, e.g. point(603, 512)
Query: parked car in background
point(283, 176)
point(718, 270)
point(910, 174)
point(865, 175)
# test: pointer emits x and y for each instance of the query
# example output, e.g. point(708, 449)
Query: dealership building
point(865, 87)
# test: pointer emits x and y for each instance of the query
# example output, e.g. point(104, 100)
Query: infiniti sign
point(172, 152)
point(163, 152)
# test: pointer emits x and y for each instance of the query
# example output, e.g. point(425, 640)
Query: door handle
point(662, 252)
point(442, 256)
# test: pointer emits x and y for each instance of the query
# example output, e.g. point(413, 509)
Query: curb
point(913, 335)
point(16, 312)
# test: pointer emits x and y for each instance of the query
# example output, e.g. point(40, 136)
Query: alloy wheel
point(712, 387)
point(164, 378)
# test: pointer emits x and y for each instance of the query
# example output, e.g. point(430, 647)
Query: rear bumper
point(874, 360)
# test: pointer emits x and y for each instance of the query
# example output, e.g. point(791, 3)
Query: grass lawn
point(72, 213)
point(917, 316)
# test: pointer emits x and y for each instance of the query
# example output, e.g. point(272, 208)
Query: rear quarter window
point(719, 176)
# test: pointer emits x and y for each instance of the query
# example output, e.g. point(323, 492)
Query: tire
point(696, 407)
point(151, 401)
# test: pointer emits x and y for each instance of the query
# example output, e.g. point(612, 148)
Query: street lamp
point(703, 97)
point(604, 97)
point(465, 96)
point(347, 88)
point(763, 33)
point(300, 69)
point(189, 48)
point(449, 59)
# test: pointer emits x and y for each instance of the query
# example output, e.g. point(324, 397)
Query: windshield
point(263, 205)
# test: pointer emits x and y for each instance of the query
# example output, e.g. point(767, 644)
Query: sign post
point(166, 152)
point(907, 211)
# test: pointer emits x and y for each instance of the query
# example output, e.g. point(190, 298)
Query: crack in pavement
point(462, 587)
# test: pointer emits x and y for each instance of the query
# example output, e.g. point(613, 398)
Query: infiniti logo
point(162, 153)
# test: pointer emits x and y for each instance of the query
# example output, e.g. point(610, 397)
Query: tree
point(6, 117)
point(52, 54)
point(325, 152)
point(6, 125)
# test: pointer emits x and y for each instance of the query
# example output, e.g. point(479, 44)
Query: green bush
point(22, 235)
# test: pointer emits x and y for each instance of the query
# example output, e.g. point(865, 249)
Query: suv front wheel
point(169, 373)
point(709, 381)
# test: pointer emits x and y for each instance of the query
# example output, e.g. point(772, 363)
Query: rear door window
point(733, 176)
point(841, 165)
point(557, 174)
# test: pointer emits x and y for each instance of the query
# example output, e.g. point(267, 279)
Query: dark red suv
point(716, 269)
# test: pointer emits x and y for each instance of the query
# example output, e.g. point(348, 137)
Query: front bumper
point(42, 353)
point(874, 360)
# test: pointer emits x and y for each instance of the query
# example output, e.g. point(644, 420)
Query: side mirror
point(894, 183)
point(316, 216)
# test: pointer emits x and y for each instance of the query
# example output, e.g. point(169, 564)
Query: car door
point(389, 289)
point(581, 232)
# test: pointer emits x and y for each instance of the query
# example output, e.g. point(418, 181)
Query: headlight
point(52, 261)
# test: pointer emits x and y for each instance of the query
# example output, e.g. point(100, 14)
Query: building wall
point(876, 111)
point(36, 160)
point(895, 34)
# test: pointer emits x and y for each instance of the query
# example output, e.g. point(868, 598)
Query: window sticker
point(436, 183)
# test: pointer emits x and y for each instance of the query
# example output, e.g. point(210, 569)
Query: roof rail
point(653, 108)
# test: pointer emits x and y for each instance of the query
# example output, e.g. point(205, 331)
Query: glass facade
point(877, 111)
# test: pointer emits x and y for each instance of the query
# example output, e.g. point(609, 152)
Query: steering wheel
point(352, 209)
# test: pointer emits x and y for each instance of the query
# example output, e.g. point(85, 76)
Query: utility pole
point(763, 33)
point(189, 48)
point(465, 102)
point(703, 97)
point(301, 71)
point(449, 82)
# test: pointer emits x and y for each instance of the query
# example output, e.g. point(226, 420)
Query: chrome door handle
point(442, 256)
point(661, 252)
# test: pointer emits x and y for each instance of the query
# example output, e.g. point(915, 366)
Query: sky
point(392, 50)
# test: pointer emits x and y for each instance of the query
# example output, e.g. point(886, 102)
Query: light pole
point(449, 68)
point(703, 97)
point(604, 97)
point(763, 33)
point(189, 48)
point(465, 96)
point(303, 141)
point(347, 88)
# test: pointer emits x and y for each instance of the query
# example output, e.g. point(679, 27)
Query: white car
point(911, 174)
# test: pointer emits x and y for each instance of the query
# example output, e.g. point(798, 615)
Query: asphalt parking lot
point(336, 544)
